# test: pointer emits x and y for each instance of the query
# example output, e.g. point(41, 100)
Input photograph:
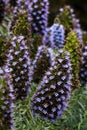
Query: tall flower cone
point(6, 101)
point(74, 47)
point(42, 62)
point(39, 14)
point(18, 64)
point(68, 19)
point(21, 26)
point(51, 97)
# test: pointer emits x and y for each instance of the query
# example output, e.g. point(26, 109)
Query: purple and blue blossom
point(7, 98)
point(19, 65)
point(39, 14)
point(51, 97)
point(57, 36)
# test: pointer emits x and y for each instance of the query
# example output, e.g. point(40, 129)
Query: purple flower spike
point(6, 101)
point(51, 97)
point(41, 63)
point(39, 14)
point(18, 64)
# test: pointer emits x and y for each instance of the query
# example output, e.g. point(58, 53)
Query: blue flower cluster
point(39, 14)
point(57, 36)
point(51, 97)
point(54, 36)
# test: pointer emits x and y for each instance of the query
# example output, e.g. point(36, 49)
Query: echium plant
point(74, 47)
point(51, 97)
point(3, 49)
point(6, 101)
point(22, 5)
point(21, 25)
point(21, 15)
point(65, 17)
point(2, 10)
point(68, 19)
point(54, 36)
point(18, 64)
point(57, 36)
point(39, 14)
point(83, 66)
point(41, 63)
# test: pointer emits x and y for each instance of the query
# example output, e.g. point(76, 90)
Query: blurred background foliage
point(80, 7)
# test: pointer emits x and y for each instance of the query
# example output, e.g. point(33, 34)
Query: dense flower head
point(2, 10)
point(39, 14)
point(18, 64)
point(20, 25)
point(65, 17)
point(22, 5)
point(21, 15)
point(83, 66)
point(41, 63)
point(51, 97)
point(74, 47)
point(54, 36)
point(68, 19)
point(6, 101)
point(3, 49)
point(57, 35)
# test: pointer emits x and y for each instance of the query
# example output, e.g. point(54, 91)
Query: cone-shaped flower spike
point(51, 97)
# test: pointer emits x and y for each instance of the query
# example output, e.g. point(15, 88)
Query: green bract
point(74, 47)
